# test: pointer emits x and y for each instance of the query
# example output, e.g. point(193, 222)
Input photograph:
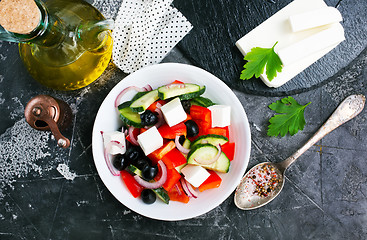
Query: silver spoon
point(246, 199)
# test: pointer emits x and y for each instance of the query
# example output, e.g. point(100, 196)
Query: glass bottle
point(70, 47)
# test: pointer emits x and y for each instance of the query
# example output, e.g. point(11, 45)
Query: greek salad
point(173, 142)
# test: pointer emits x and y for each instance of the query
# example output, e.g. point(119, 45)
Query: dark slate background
point(324, 196)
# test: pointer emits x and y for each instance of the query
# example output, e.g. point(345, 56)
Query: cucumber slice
point(186, 143)
point(202, 152)
point(143, 102)
point(138, 95)
point(129, 117)
point(178, 168)
point(135, 170)
point(213, 139)
point(183, 91)
point(202, 101)
point(160, 192)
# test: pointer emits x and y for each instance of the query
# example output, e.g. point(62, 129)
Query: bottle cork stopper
point(19, 16)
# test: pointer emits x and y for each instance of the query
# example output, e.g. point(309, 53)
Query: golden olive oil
point(67, 64)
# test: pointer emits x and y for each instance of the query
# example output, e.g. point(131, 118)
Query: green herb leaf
point(257, 59)
point(291, 120)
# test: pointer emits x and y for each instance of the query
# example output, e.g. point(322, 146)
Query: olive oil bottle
point(69, 48)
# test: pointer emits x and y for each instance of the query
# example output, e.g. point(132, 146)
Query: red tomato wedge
point(153, 106)
point(201, 113)
point(229, 150)
point(174, 158)
point(171, 132)
point(177, 194)
point(213, 181)
point(136, 132)
point(131, 184)
point(160, 152)
point(218, 131)
point(172, 178)
point(177, 82)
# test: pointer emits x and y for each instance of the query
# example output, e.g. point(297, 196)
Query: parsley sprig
point(291, 120)
point(257, 59)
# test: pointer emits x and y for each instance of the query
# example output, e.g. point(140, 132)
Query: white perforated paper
point(145, 31)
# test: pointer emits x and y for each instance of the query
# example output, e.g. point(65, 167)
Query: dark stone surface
point(218, 24)
point(324, 196)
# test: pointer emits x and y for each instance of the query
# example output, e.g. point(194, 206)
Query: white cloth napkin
point(145, 31)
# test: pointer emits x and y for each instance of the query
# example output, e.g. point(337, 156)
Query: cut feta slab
point(173, 112)
point(115, 136)
point(311, 45)
point(314, 18)
point(195, 175)
point(277, 29)
point(221, 115)
point(150, 140)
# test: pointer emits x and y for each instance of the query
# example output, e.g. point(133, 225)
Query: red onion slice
point(132, 137)
point(214, 159)
point(178, 189)
point(190, 192)
point(180, 147)
point(148, 88)
point(160, 116)
point(123, 92)
point(107, 156)
point(157, 184)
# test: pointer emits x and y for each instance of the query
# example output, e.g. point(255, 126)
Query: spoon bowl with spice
point(262, 183)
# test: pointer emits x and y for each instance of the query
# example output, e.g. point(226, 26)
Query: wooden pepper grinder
point(46, 113)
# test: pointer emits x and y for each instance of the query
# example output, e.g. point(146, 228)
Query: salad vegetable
point(192, 142)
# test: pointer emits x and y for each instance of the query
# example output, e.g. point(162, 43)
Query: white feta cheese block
point(115, 136)
point(314, 18)
point(221, 115)
point(311, 45)
point(173, 112)
point(277, 29)
point(195, 175)
point(150, 140)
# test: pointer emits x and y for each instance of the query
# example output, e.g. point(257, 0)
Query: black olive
point(141, 163)
point(181, 140)
point(148, 118)
point(149, 172)
point(120, 162)
point(133, 153)
point(191, 128)
point(148, 196)
point(186, 104)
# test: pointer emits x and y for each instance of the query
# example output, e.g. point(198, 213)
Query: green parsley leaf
point(291, 120)
point(257, 59)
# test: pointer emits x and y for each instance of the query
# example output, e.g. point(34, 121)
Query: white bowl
point(107, 119)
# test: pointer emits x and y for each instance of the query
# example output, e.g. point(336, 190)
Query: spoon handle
point(347, 110)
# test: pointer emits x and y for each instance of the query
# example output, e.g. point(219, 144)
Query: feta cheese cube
point(173, 112)
point(115, 136)
point(195, 175)
point(221, 115)
point(150, 140)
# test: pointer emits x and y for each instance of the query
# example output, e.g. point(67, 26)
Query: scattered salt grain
point(20, 148)
point(65, 171)
point(109, 8)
